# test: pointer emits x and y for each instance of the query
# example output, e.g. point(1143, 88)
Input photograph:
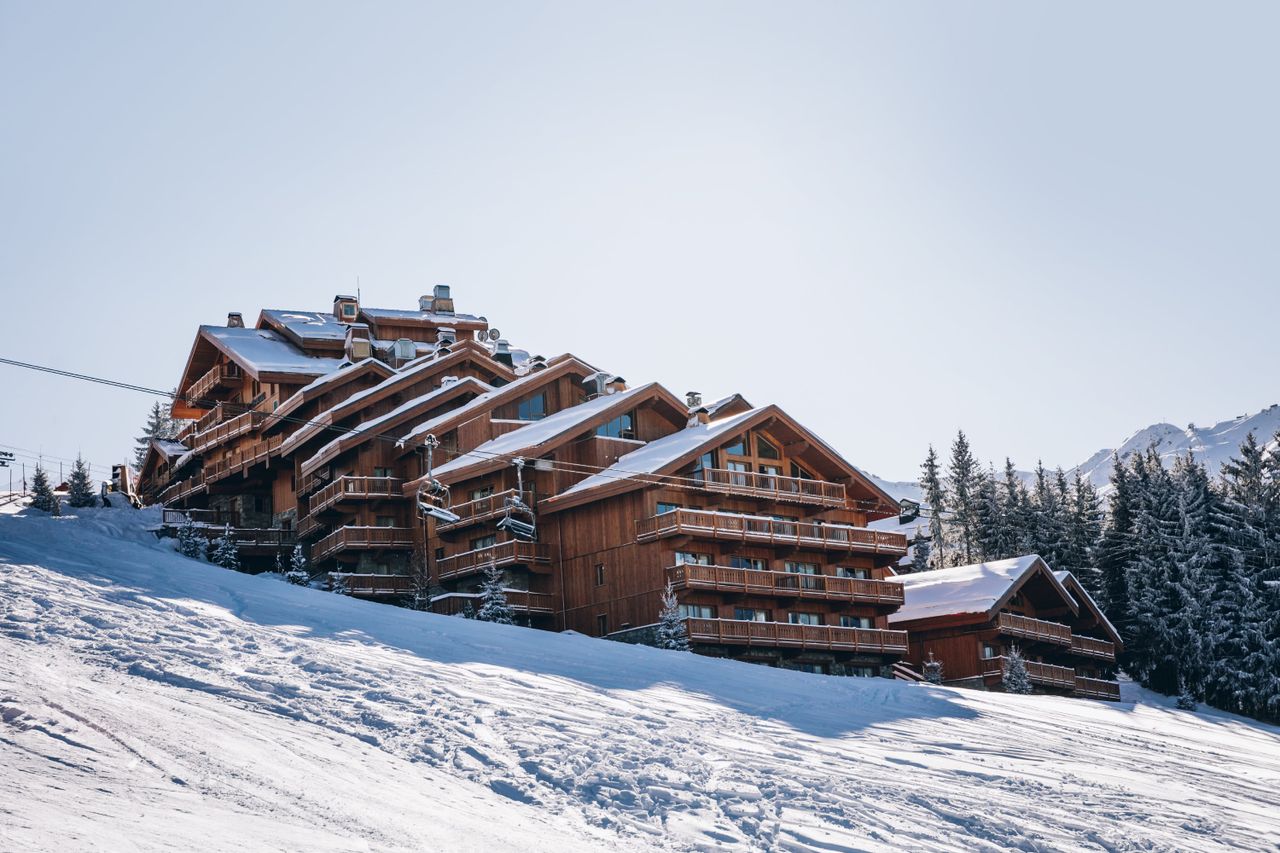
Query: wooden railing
point(1097, 688)
point(373, 584)
point(239, 460)
point(772, 487)
point(521, 601)
point(783, 634)
point(308, 526)
point(178, 517)
point(182, 489)
point(1048, 674)
point(751, 581)
point(362, 537)
point(1092, 647)
point(350, 487)
point(214, 378)
point(504, 553)
point(1033, 629)
point(239, 425)
point(315, 480)
point(770, 531)
point(481, 509)
point(254, 537)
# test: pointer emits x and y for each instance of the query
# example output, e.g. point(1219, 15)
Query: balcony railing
point(1037, 630)
point(215, 517)
point(239, 425)
point(218, 376)
point(183, 489)
point(1048, 674)
point(1097, 688)
point(520, 600)
point(481, 509)
point(375, 585)
point(246, 538)
point(1093, 648)
point(349, 487)
point(773, 487)
point(786, 635)
point(308, 526)
point(234, 463)
point(364, 538)
point(515, 552)
point(769, 531)
point(753, 582)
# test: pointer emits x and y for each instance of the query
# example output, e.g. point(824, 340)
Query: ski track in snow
point(148, 701)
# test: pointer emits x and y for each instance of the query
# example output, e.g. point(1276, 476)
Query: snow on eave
point(346, 371)
point(980, 589)
point(266, 353)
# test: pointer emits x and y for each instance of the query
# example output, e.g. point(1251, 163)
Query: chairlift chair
point(433, 495)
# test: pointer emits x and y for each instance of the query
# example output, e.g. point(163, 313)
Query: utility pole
point(6, 460)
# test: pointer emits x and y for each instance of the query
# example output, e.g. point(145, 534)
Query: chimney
point(502, 352)
point(345, 308)
point(615, 384)
point(699, 416)
point(235, 320)
point(439, 302)
point(693, 399)
point(537, 363)
point(358, 345)
point(446, 337)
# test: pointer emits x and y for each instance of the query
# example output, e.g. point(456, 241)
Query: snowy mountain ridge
point(152, 702)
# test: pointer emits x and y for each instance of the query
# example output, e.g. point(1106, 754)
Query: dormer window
point(349, 311)
point(533, 408)
point(623, 426)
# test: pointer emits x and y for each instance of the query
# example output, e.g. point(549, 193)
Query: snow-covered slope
point(150, 702)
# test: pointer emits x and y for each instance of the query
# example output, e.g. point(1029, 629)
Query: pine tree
point(933, 670)
point(1015, 678)
point(1014, 513)
point(159, 425)
point(671, 631)
point(920, 555)
point(55, 509)
point(299, 573)
point(1116, 552)
point(935, 499)
point(81, 485)
point(43, 497)
point(190, 542)
point(1084, 529)
point(493, 599)
point(963, 486)
point(338, 584)
point(225, 553)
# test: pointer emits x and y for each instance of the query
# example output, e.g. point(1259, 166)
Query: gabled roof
point(398, 316)
point(266, 355)
point(344, 374)
point(542, 436)
point(378, 426)
point(305, 327)
point(1085, 600)
point(679, 449)
point(980, 589)
point(734, 404)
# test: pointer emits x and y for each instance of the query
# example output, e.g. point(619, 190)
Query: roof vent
point(404, 350)
point(446, 337)
point(448, 380)
point(699, 416)
point(439, 302)
point(358, 345)
point(536, 363)
point(502, 352)
point(235, 320)
point(595, 384)
point(693, 399)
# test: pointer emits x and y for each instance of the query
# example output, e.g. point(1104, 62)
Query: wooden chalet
point(969, 617)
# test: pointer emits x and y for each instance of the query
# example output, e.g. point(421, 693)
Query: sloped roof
point(980, 588)
point(266, 354)
point(310, 326)
point(1082, 596)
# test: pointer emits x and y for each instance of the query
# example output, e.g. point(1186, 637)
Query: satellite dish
point(494, 334)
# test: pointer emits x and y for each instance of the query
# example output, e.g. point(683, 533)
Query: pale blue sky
point(1048, 225)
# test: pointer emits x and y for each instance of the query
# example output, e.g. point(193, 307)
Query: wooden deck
point(375, 586)
point(773, 487)
point(481, 509)
point(352, 488)
point(784, 584)
point(1097, 688)
point(535, 555)
point(218, 378)
point(521, 601)
point(362, 538)
point(1093, 648)
point(1045, 674)
point(1038, 630)
point(785, 635)
point(769, 531)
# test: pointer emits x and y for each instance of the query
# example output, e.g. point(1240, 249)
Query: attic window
point(623, 426)
point(532, 409)
point(348, 310)
point(800, 473)
point(738, 447)
point(765, 450)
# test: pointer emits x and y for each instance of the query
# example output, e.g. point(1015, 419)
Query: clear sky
point(1048, 225)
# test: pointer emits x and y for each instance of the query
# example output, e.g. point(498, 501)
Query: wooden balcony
point(532, 554)
point(785, 635)
point(241, 460)
point(259, 539)
point(353, 488)
point(785, 584)
point(183, 489)
point(773, 487)
point(520, 600)
point(225, 430)
point(362, 538)
point(215, 517)
point(1046, 674)
point(481, 509)
point(1036, 630)
point(1093, 648)
point(375, 586)
point(308, 526)
point(217, 378)
point(768, 531)
point(1097, 688)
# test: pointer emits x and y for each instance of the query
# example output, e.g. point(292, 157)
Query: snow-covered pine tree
point(158, 425)
point(1116, 553)
point(278, 569)
point(493, 599)
point(1047, 531)
point(225, 553)
point(338, 584)
point(42, 496)
point(920, 554)
point(933, 670)
point(989, 531)
point(299, 573)
point(467, 611)
point(935, 498)
point(671, 631)
point(1014, 508)
point(55, 509)
point(1187, 698)
point(963, 486)
point(80, 484)
point(1084, 529)
point(190, 542)
point(1015, 678)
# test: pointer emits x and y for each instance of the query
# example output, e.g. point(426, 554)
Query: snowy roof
point(308, 325)
point(392, 314)
point(963, 589)
point(538, 432)
point(169, 449)
point(1063, 578)
point(657, 454)
point(264, 351)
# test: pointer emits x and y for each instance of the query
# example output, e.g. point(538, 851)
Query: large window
point(664, 507)
point(623, 426)
point(849, 572)
point(484, 542)
point(750, 614)
point(738, 447)
point(857, 622)
point(809, 570)
point(753, 563)
point(532, 409)
point(804, 618)
point(861, 671)
point(765, 450)
point(689, 558)
point(697, 611)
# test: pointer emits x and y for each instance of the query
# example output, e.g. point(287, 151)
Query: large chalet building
point(411, 452)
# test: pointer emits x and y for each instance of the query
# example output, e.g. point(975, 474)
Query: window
point(848, 572)
point(381, 472)
point(750, 614)
point(599, 574)
point(664, 508)
point(740, 470)
point(989, 651)
point(807, 569)
point(697, 611)
point(602, 624)
point(704, 462)
point(532, 409)
point(623, 426)
point(752, 563)
point(800, 473)
point(765, 450)
point(738, 447)
point(688, 558)
point(482, 492)
point(439, 553)
point(857, 622)
point(804, 618)
point(815, 668)
point(348, 310)
point(861, 671)
point(386, 521)
point(484, 542)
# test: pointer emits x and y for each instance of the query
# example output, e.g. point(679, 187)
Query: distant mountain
point(1212, 445)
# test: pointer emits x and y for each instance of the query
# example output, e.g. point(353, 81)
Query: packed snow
point(264, 351)
point(964, 589)
point(148, 701)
